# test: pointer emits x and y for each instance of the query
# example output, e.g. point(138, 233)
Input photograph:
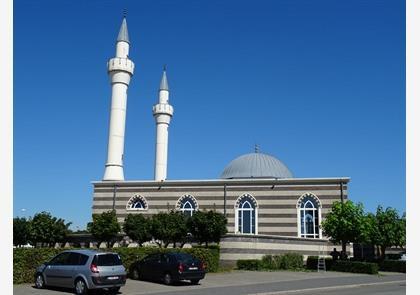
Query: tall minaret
point(162, 112)
point(120, 70)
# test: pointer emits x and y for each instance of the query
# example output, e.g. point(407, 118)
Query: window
point(136, 203)
point(107, 260)
point(246, 215)
point(60, 259)
point(309, 212)
point(187, 204)
point(74, 259)
point(77, 259)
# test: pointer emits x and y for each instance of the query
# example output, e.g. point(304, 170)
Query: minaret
point(162, 112)
point(120, 70)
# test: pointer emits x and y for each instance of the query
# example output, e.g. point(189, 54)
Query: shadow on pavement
point(71, 291)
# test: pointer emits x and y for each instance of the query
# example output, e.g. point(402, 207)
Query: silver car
point(82, 270)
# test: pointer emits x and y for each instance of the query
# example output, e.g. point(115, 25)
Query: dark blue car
point(169, 268)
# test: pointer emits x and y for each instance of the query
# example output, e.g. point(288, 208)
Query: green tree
point(344, 223)
point(369, 233)
point(401, 240)
point(47, 230)
point(389, 229)
point(138, 228)
point(20, 231)
point(208, 226)
point(169, 227)
point(104, 227)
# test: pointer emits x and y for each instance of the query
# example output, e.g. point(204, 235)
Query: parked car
point(403, 256)
point(169, 268)
point(82, 270)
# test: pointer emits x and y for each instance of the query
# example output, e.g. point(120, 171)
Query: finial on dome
point(257, 148)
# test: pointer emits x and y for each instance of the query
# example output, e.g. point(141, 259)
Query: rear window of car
point(183, 257)
point(107, 260)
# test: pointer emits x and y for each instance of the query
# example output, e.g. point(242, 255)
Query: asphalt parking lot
point(261, 283)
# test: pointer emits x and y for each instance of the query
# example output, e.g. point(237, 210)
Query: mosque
point(269, 210)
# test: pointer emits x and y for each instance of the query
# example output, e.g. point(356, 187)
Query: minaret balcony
point(121, 64)
point(163, 108)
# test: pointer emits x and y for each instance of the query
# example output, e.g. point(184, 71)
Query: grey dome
point(256, 165)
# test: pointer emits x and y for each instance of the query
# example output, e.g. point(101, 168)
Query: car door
point(164, 265)
point(144, 267)
point(68, 270)
point(153, 267)
point(53, 270)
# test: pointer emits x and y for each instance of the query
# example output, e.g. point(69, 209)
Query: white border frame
point(318, 201)
point(238, 200)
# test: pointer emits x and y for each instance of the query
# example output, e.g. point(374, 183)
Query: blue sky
point(318, 84)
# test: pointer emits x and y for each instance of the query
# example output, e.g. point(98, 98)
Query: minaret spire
point(123, 34)
point(162, 112)
point(120, 70)
point(164, 81)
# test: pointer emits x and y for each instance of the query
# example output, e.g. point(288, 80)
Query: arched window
point(246, 215)
point(187, 204)
point(137, 203)
point(309, 212)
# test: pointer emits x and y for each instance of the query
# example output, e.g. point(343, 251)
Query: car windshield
point(107, 260)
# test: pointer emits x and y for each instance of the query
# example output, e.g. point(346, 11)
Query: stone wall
point(234, 247)
point(276, 198)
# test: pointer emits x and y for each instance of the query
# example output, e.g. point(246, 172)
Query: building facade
point(269, 211)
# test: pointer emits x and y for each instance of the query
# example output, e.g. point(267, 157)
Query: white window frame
point(133, 200)
point(317, 206)
point(254, 206)
point(180, 205)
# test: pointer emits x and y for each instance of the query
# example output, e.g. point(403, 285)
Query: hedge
point(249, 264)
point(355, 266)
point(312, 262)
point(290, 261)
point(392, 265)
point(26, 260)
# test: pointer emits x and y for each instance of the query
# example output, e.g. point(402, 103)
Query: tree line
point(345, 223)
point(42, 229)
point(348, 223)
point(164, 228)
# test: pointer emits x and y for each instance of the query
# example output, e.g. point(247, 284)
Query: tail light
point(94, 268)
point(203, 266)
point(180, 267)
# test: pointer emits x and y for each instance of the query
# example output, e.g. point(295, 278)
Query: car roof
point(89, 251)
point(84, 251)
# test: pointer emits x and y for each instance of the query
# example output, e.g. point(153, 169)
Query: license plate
point(193, 268)
point(112, 278)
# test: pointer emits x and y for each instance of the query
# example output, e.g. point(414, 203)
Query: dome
point(256, 165)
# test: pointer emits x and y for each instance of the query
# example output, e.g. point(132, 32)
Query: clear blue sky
point(318, 84)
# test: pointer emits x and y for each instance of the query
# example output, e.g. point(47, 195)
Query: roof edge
point(216, 182)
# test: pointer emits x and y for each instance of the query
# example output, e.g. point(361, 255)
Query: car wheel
point(167, 279)
point(114, 290)
point(80, 287)
point(136, 274)
point(39, 281)
point(194, 282)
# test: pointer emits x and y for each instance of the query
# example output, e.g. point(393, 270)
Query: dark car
point(169, 268)
point(82, 270)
